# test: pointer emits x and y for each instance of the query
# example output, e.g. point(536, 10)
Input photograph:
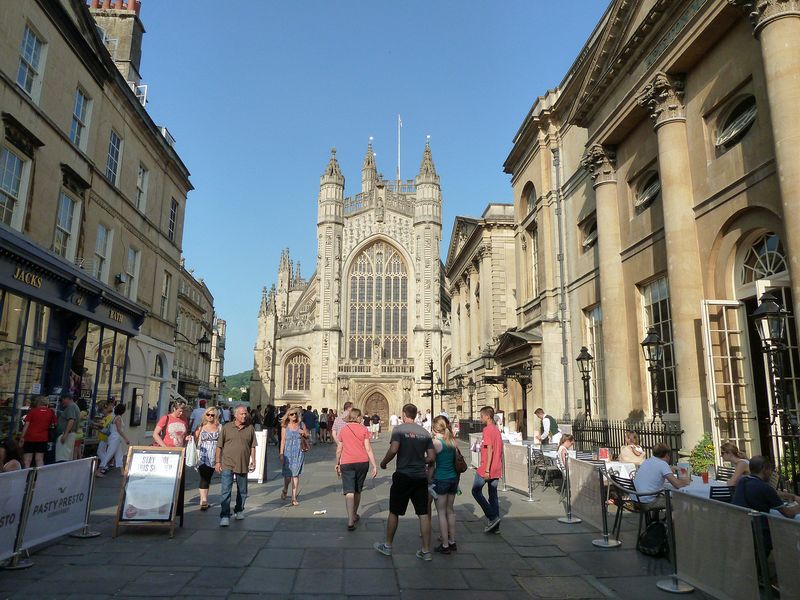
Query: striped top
point(207, 447)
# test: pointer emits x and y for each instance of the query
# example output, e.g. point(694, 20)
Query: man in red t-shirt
point(490, 470)
point(36, 431)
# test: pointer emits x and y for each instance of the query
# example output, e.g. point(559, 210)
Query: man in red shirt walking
point(490, 470)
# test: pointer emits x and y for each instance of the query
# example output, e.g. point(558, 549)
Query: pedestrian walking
point(36, 431)
point(206, 437)
point(172, 430)
point(309, 422)
point(197, 415)
point(116, 434)
point(375, 426)
point(236, 457)
point(270, 422)
point(331, 421)
point(445, 483)
point(414, 450)
point(292, 455)
point(490, 470)
point(353, 459)
point(323, 426)
point(340, 421)
point(66, 428)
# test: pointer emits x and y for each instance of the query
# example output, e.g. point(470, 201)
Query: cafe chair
point(723, 493)
point(724, 473)
point(626, 498)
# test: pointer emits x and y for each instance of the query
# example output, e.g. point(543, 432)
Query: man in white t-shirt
point(394, 421)
point(197, 415)
point(653, 473)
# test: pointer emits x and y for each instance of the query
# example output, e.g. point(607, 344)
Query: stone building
point(654, 188)
point(482, 283)
point(193, 337)
point(215, 382)
point(92, 200)
point(374, 314)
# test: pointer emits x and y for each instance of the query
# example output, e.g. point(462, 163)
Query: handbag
point(191, 453)
point(304, 447)
point(459, 462)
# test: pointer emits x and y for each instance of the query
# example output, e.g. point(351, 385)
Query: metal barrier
point(712, 548)
point(785, 535)
point(475, 457)
point(588, 499)
point(56, 501)
point(517, 469)
point(569, 519)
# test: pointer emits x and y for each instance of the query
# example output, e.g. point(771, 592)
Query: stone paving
point(284, 552)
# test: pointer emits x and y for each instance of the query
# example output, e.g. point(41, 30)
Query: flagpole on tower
point(399, 125)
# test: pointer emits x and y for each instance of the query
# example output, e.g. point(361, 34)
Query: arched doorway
point(377, 403)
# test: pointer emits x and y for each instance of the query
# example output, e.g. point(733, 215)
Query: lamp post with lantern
point(653, 350)
point(585, 362)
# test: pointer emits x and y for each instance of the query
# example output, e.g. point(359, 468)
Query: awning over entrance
point(517, 346)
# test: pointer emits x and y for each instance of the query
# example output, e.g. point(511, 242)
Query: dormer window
point(648, 192)
point(737, 124)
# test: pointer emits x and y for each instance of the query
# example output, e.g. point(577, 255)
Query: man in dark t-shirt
point(413, 447)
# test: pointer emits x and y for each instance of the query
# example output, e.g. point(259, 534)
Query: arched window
point(764, 259)
point(529, 198)
point(378, 309)
point(158, 369)
point(298, 373)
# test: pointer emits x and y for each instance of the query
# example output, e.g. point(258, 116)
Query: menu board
point(150, 486)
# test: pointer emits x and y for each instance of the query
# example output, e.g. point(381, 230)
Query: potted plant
point(702, 456)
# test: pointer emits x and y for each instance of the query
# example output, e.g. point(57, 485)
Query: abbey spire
point(427, 170)
point(369, 172)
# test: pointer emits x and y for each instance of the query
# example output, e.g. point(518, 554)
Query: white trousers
point(113, 450)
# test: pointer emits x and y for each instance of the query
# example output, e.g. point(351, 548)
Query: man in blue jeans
point(490, 470)
point(236, 456)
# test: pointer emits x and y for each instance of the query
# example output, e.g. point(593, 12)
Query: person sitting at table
point(651, 476)
point(631, 452)
point(567, 442)
point(730, 453)
point(753, 490)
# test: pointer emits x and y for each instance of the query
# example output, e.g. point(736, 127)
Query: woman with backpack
point(445, 483)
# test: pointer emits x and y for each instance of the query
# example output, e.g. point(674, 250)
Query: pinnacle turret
point(264, 305)
point(332, 171)
point(369, 172)
point(427, 170)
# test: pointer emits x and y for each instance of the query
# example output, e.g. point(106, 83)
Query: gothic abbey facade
point(375, 313)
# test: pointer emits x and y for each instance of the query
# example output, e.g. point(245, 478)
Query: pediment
point(512, 341)
point(463, 227)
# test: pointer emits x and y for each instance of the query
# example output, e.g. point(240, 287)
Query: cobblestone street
point(283, 552)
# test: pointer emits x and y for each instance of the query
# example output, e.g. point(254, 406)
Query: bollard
point(674, 584)
point(606, 541)
point(85, 532)
point(569, 519)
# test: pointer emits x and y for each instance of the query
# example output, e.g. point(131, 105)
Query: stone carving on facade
point(601, 162)
point(761, 12)
point(663, 97)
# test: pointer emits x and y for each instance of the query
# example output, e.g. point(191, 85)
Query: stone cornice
point(663, 97)
point(601, 162)
point(762, 12)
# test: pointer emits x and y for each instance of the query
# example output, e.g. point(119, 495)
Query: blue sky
point(257, 92)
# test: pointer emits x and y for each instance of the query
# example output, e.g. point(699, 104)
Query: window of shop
point(31, 59)
point(656, 313)
point(80, 119)
point(66, 226)
point(298, 373)
point(11, 173)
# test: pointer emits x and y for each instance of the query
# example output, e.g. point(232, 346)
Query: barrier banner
point(587, 495)
point(260, 473)
point(475, 456)
point(516, 467)
point(12, 498)
point(59, 504)
point(785, 535)
point(714, 547)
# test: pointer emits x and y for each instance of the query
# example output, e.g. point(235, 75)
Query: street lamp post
point(770, 321)
point(471, 392)
point(653, 350)
point(585, 361)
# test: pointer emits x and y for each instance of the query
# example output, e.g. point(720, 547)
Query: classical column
point(465, 316)
point(600, 161)
point(776, 24)
point(486, 323)
point(663, 97)
point(456, 359)
point(475, 313)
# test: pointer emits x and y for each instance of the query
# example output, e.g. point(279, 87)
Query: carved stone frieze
point(663, 97)
point(601, 162)
point(762, 12)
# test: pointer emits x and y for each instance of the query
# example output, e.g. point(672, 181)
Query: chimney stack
point(120, 21)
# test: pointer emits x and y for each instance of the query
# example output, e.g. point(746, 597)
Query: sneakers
point(383, 548)
point(239, 516)
point(424, 555)
point(432, 492)
point(224, 522)
point(442, 549)
point(491, 524)
point(453, 547)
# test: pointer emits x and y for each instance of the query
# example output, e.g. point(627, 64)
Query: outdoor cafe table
point(703, 490)
point(624, 469)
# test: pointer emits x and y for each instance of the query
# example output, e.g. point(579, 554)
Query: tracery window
point(298, 373)
point(378, 304)
point(765, 258)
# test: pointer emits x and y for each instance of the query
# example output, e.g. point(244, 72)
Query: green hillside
point(234, 382)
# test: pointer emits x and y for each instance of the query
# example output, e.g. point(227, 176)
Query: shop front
point(60, 330)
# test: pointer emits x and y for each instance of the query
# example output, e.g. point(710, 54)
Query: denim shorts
point(445, 486)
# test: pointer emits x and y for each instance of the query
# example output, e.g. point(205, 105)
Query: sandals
point(204, 506)
point(357, 519)
point(284, 493)
point(351, 527)
point(295, 503)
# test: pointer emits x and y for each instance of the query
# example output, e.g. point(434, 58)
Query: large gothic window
point(298, 373)
point(378, 310)
point(764, 258)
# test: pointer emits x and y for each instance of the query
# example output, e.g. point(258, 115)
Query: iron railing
point(469, 426)
point(603, 433)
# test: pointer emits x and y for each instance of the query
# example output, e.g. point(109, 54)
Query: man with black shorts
point(413, 447)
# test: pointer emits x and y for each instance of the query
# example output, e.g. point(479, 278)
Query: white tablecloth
point(698, 488)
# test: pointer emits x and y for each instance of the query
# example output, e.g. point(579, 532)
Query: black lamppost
point(471, 392)
point(770, 321)
point(585, 361)
point(653, 350)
